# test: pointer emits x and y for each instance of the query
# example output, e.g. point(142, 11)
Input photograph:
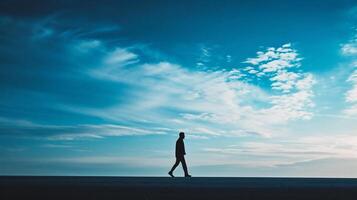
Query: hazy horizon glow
point(104, 88)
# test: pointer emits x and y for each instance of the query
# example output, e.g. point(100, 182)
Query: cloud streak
point(273, 153)
point(27, 129)
point(350, 49)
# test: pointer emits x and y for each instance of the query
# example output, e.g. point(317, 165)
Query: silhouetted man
point(180, 155)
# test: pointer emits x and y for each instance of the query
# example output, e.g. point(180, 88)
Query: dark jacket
point(180, 148)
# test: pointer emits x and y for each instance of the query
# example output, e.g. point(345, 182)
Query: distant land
point(102, 188)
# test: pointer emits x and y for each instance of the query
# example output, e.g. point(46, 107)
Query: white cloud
point(284, 80)
point(205, 57)
point(210, 100)
point(279, 66)
point(261, 57)
point(120, 56)
point(253, 71)
point(228, 58)
point(294, 105)
point(350, 48)
point(351, 95)
point(204, 131)
point(101, 131)
point(289, 107)
point(288, 45)
point(85, 46)
point(57, 146)
point(273, 153)
point(22, 128)
point(351, 111)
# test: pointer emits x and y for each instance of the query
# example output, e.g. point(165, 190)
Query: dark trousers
point(183, 162)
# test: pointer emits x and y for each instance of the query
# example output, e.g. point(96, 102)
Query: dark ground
point(102, 188)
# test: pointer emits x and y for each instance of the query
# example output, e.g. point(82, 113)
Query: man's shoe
point(187, 175)
point(170, 173)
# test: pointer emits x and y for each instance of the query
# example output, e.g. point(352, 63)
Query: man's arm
point(183, 148)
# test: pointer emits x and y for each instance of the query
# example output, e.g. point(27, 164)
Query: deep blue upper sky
point(261, 88)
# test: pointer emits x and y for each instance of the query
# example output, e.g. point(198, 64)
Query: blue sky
point(103, 88)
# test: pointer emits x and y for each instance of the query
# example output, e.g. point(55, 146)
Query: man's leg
point(184, 166)
point(174, 167)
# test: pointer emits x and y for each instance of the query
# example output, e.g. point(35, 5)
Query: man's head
point(182, 135)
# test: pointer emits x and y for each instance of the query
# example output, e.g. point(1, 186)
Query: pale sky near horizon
point(261, 88)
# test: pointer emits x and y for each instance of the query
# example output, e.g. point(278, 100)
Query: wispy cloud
point(350, 49)
point(219, 101)
point(351, 95)
point(288, 151)
point(120, 57)
point(118, 160)
point(204, 57)
point(24, 128)
point(57, 146)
